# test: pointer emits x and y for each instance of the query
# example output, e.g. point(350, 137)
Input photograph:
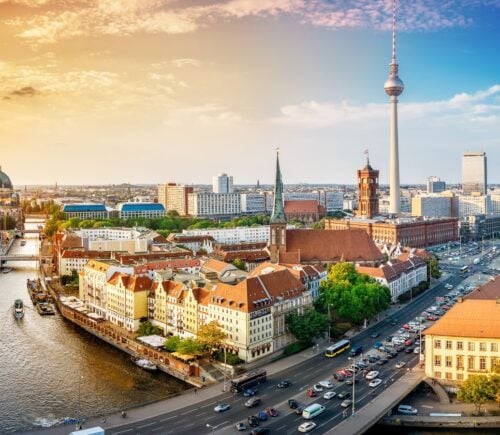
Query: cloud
point(481, 106)
point(209, 114)
point(26, 91)
point(181, 63)
point(120, 17)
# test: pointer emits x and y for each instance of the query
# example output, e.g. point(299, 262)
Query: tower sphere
point(394, 86)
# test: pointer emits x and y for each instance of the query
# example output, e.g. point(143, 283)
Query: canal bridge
point(382, 404)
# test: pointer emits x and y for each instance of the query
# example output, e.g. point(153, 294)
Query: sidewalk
point(190, 397)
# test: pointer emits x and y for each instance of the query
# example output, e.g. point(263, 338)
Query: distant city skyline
point(152, 91)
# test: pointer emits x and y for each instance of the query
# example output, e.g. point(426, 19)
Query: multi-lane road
point(197, 417)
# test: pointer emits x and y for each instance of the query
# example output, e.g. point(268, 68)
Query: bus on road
point(248, 380)
point(337, 348)
point(312, 411)
point(464, 270)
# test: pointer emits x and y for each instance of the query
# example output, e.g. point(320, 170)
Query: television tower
point(394, 87)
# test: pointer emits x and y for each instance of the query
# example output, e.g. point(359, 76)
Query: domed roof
point(5, 182)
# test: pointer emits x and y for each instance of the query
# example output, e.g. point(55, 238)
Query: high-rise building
point(368, 191)
point(394, 87)
point(174, 197)
point(469, 205)
point(474, 174)
point(214, 205)
point(435, 185)
point(222, 183)
point(432, 206)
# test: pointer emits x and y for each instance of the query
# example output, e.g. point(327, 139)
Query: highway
point(194, 419)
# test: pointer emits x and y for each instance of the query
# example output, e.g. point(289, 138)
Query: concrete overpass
point(380, 405)
point(9, 257)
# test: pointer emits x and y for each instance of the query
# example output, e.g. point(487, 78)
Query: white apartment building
point(384, 203)
point(495, 202)
point(222, 183)
point(253, 203)
point(431, 206)
point(229, 236)
point(213, 205)
point(399, 276)
point(469, 205)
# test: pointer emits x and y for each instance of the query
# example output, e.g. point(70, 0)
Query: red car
point(408, 342)
point(431, 318)
point(406, 327)
point(311, 392)
point(272, 412)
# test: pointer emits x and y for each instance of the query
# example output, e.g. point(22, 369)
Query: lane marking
point(146, 425)
point(210, 404)
point(123, 431)
point(188, 412)
point(169, 418)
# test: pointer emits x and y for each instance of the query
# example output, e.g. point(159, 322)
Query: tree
point(433, 270)
point(190, 346)
point(240, 264)
point(211, 336)
point(308, 325)
point(147, 328)
point(353, 296)
point(478, 389)
point(172, 343)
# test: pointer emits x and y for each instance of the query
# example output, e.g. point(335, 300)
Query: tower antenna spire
point(394, 4)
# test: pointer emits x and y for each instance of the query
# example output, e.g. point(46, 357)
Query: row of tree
point(171, 223)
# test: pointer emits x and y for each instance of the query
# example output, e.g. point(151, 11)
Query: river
point(51, 369)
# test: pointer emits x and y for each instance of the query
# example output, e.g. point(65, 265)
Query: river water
point(51, 369)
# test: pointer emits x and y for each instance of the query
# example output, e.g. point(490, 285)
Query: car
point(347, 373)
point(416, 350)
point(389, 338)
point(393, 354)
point(311, 393)
point(372, 375)
point(317, 388)
point(293, 404)
point(401, 331)
point(262, 416)
point(400, 348)
point(299, 410)
point(329, 395)
point(240, 426)
point(259, 431)
point(375, 335)
point(409, 350)
point(344, 394)
point(407, 409)
point(382, 361)
point(222, 407)
point(339, 377)
point(308, 426)
point(362, 365)
point(250, 392)
point(394, 323)
point(272, 412)
point(375, 383)
point(253, 401)
point(346, 403)
point(351, 381)
point(377, 344)
point(408, 342)
point(253, 421)
point(326, 384)
point(284, 384)
point(400, 364)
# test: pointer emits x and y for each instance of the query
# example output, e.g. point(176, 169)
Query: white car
point(329, 395)
point(375, 383)
point(326, 384)
point(372, 375)
point(222, 407)
point(308, 426)
point(318, 388)
point(346, 403)
point(400, 364)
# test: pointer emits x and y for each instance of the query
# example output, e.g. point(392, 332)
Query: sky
point(153, 91)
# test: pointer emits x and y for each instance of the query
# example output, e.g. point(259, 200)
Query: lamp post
point(225, 370)
point(210, 426)
point(354, 383)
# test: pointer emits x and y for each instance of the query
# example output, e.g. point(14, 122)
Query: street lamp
point(354, 382)
point(210, 426)
point(225, 370)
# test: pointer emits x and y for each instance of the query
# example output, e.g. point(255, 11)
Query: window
point(494, 347)
point(448, 361)
point(437, 375)
point(448, 344)
point(460, 376)
point(437, 344)
point(482, 347)
point(470, 346)
point(460, 362)
point(437, 360)
point(448, 375)
point(470, 363)
point(482, 363)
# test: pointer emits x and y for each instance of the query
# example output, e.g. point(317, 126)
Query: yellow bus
point(337, 348)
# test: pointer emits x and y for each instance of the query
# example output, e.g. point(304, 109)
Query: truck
point(356, 350)
point(90, 431)
point(476, 260)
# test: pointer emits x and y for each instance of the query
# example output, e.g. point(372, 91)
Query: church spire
point(278, 216)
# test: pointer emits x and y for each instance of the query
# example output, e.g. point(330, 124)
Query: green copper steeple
point(278, 216)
